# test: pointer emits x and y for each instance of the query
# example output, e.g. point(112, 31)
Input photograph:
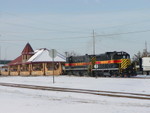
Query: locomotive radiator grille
point(125, 63)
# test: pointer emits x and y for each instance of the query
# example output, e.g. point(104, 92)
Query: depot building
point(38, 62)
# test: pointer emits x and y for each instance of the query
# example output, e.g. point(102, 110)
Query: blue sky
point(72, 6)
point(67, 25)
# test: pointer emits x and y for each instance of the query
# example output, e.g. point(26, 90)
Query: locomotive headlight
point(96, 66)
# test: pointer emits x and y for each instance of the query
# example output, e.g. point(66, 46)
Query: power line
point(67, 31)
point(59, 30)
point(128, 24)
point(40, 28)
point(35, 19)
point(132, 32)
point(76, 37)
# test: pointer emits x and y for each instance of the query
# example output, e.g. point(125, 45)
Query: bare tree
point(72, 53)
point(139, 55)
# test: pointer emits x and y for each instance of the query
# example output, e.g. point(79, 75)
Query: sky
point(68, 25)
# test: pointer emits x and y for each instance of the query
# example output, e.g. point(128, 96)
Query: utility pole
point(146, 48)
point(0, 53)
point(93, 42)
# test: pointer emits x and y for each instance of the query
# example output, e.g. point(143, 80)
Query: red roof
point(27, 49)
point(18, 60)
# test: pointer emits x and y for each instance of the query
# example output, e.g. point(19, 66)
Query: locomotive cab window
point(125, 57)
point(121, 56)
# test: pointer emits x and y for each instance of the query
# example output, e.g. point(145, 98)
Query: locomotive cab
point(112, 64)
point(121, 55)
point(125, 68)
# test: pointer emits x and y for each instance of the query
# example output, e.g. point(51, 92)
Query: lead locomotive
point(107, 64)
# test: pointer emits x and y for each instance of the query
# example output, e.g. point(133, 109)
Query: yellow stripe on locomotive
point(125, 63)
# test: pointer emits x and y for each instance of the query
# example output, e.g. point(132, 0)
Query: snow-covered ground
point(17, 100)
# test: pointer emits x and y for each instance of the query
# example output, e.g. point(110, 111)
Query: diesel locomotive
point(106, 64)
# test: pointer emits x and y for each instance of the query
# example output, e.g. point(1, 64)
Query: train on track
point(106, 64)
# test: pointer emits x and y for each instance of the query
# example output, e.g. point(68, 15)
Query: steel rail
point(84, 91)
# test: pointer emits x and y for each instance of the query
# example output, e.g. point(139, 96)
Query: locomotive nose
point(125, 63)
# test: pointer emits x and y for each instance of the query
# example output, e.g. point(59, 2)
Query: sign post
point(53, 54)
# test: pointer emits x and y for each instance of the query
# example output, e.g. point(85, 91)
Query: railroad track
point(83, 91)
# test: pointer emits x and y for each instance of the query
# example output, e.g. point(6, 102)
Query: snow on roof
point(42, 55)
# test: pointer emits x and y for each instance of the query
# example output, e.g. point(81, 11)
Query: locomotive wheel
point(85, 73)
point(69, 73)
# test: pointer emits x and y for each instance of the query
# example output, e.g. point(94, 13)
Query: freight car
point(107, 64)
point(143, 66)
